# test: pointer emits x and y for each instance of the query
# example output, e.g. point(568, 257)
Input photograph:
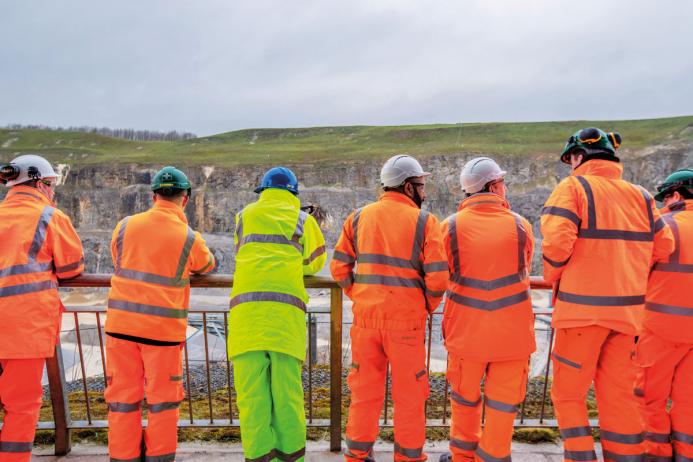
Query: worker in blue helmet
point(277, 244)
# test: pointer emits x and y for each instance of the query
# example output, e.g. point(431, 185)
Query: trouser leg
point(288, 411)
point(656, 360)
point(465, 377)
point(575, 356)
point(254, 399)
point(124, 394)
point(504, 391)
point(682, 408)
point(620, 422)
point(406, 351)
point(163, 372)
point(367, 386)
point(20, 393)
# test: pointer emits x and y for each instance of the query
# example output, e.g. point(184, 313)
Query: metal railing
point(209, 318)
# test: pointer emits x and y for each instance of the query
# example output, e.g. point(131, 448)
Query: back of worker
point(488, 321)
point(154, 253)
point(38, 246)
point(664, 352)
point(390, 261)
point(601, 234)
point(276, 245)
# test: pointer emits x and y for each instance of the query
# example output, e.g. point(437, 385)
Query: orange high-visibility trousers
point(20, 395)
point(504, 391)
point(372, 349)
point(132, 368)
point(665, 371)
point(594, 353)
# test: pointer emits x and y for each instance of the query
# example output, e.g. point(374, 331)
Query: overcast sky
point(215, 66)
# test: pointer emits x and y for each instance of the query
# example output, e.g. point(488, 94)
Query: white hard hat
point(29, 167)
point(478, 172)
point(398, 168)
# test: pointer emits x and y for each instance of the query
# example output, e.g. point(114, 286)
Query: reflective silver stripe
point(601, 300)
point(162, 458)
point(456, 397)
point(136, 459)
point(554, 263)
point(566, 361)
point(365, 446)
point(623, 438)
point(682, 458)
point(210, 262)
point(268, 297)
point(591, 210)
point(124, 407)
point(580, 455)
point(239, 231)
point(270, 239)
point(674, 226)
point(40, 232)
point(575, 432)
point(464, 445)
point(28, 288)
point(651, 458)
point(682, 437)
point(346, 283)
point(658, 437)
point(152, 310)
point(486, 457)
point(521, 242)
point(265, 458)
point(165, 406)
point(669, 309)
point(300, 224)
point(501, 406)
point(674, 267)
point(434, 293)
point(28, 268)
point(412, 453)
point(659, 224)
point(490, 305)
point(119, 242)
point(435, 267)
point(614, 457)
point(343, 257)
point(316, 253)
point(16, 447)
point(561, 212)
point(454, 245)
point(388, 281)
point(185, 254)
point(176, 378)
point(380, 259)
point(481, 284)
point(616, 234)
point(650, 214)
point(69, 266)
point(292, 457)
point(419, 240)
point(150, 278)
point(355, 229)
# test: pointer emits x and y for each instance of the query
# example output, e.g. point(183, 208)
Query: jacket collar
point(600, 167)
point(281, 195)
point(170, 207)
point(28, 193)
point(680, 206)
point(484, 201)
point(395, 196)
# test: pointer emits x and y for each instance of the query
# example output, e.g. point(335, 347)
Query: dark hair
point(400, 188)
point(171, 193)
point(604, 155)
point(684, 191)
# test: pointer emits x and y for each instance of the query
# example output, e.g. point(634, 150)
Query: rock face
point(97, 197)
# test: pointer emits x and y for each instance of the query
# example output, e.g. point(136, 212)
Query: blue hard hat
point(279, 178)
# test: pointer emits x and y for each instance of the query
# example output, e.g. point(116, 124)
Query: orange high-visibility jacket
point(601, 235)
point(154, 253)
point(488, 310)
point(38, 246)
point(400, 271)
point(669, 302)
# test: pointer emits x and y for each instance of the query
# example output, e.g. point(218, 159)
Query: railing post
point(335, 369)
point(61, 408)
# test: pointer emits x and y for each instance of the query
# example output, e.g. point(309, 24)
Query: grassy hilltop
point(320, 144)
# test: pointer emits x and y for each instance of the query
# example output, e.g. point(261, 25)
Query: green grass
point(322, 144)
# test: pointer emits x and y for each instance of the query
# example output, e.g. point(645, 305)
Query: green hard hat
point(592, 141)
point(680, 178)
point(169, 180)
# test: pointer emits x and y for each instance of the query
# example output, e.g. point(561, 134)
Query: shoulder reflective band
point(383, 280)
point(521, 243)
point(40, 232)
point(267, 297)
point(601, 300)
point(623, 438)
point(575, 432)
point(185, 254)
point(300, 224)
point(671, 221)
point(488, 305)
point(29, 288)
point(592, 232)
point(152, 310)
point(119, 242)
point(355, 230)
point(454, 245)
point(316, 253)
point(32, 266)
point(419, 240)
point(561, 212)
point(239, 231)
point(669, 309)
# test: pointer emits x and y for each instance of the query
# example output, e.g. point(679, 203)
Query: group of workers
point(621, 270)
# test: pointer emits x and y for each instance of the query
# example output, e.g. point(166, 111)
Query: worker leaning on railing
point(38, 246)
